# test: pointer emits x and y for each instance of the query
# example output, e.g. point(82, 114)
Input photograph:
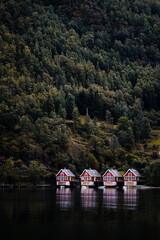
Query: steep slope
point(79, 83)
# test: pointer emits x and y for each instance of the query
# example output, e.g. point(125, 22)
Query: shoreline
point(31, 186)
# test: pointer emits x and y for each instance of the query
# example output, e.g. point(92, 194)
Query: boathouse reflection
point(110, 197)
point(131, 196)
point(63, 197)
point(88, 197)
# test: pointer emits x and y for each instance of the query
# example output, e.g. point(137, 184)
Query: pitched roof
point(114, 172)
point(92, 172)
point(67, 172)
point(134, 171)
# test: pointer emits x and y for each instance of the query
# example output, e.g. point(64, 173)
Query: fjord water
point(80, 213)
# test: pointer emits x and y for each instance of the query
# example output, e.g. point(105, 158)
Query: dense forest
point(79, 87)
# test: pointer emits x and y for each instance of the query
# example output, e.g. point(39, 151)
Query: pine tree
point(146, 128)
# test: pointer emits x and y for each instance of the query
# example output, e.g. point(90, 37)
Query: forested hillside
point(79, 87)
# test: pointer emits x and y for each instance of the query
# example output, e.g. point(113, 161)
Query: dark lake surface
point(80, 213)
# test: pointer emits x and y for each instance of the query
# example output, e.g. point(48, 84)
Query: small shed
point(64, 177)
point(111, 178)
point(131, 177)
point(90, 177)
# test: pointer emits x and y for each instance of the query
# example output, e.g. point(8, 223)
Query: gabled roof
point(134, 171)
point(91, 172)
point(114, 172)
point(67, 172)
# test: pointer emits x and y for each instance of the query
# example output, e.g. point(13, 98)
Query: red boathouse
point(111, 178)
point(131, 177)
point(90, 177)
point(64, 177)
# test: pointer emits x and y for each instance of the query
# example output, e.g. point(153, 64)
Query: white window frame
point(109, 178)
point(130, 178)
point(62, 178)
point(87, 179)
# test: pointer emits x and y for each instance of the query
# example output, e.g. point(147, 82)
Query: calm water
point(80, 214)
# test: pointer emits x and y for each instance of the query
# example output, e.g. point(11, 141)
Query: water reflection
point(63, 197)
point(80, 213)
point(131, 198)
point(110, 198)
point(22, 204)
point(88, 197)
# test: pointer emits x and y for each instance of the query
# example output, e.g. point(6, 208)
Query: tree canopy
point(59, 58)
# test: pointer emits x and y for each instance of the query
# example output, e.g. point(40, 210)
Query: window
point(62, 178)
point(130, 178)
point(109, 178)
point(87, 178)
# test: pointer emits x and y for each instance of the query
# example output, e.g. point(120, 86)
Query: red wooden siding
point(61, 176)
point(108, 177)
point(130, 177)
point(86, 177)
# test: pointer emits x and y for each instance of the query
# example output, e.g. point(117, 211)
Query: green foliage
point(125, 133)
point(114, 144)
point(92, 161)
point(36, 172)
point(123, 124)
point(8, 172)
point(146, 128)
point(59, 58)
point(151, 173)
point(76, 118)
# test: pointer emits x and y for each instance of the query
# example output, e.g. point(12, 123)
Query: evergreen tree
point(146, 128)
point(114, 144)
point(62, 111)
point(70, 104)
point(76, 119)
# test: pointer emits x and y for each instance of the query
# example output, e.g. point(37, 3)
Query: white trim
point(110, 170)
point(85, 170)
point(88, 173)
point(59, 172)
point(63, 170)
point(109, 178)
point(130, 178)
point(86, 178)
point(62, 178)
point(130, 171)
